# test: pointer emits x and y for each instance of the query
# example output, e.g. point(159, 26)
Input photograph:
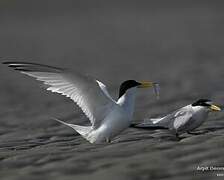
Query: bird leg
point(178, 137)
point(108, 140)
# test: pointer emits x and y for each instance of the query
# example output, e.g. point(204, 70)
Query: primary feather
point(83, 90)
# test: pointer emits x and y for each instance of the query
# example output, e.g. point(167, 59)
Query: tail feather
point(154, 120)
point(162, 122)
point(154, 123)
point(82, 130)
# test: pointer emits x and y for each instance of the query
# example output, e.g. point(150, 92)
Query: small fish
point(156, 88)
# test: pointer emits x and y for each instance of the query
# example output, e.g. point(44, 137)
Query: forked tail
point(84, 131)
point(163, 122)
point(154, 120)
point(153, 123)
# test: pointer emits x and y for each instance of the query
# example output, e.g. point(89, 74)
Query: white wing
point(176, 119)
point(181, 117)
point(87, 92)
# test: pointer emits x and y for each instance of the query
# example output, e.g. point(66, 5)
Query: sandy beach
point(179, 45)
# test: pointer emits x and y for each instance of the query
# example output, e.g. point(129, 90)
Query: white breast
point(116, 121)
point(198, 118)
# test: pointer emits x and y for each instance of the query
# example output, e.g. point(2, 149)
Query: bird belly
point(194, 122)
point(113, 124)
point(197, 121)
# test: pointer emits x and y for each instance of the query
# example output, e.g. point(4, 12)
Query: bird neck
point(199, 108)
point(127, 101)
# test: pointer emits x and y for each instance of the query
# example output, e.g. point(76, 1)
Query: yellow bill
point(148, 84)
point(215, 108)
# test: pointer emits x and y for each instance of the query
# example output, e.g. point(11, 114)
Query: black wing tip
point(21, 66)
point(6, 62)
point(23, 70)
point(134, 124)
point(14, 66)
point(10, 63)
point(142, 126)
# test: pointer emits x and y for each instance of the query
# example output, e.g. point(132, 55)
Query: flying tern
point(108, 117)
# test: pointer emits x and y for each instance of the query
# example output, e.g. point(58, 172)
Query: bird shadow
point(207, 130)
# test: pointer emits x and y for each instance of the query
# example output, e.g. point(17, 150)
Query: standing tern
point(185, 119)
point(108, 117)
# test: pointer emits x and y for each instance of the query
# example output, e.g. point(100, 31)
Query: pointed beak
point(145, 84)
point(148, 84)
point(215, 108)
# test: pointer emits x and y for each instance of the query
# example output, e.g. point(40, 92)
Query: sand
point(179, 45)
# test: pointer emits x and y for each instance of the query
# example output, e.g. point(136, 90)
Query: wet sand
point(179, 45)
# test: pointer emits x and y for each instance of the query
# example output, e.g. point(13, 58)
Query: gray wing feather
point(83, 90)
point(174, 120)
point(181, 118)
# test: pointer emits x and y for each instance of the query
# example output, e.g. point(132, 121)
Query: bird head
point(206, 103)
point(129, 84)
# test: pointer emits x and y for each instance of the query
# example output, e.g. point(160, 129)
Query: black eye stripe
point(202, 102)
point(205, 104)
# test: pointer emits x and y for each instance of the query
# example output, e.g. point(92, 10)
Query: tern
point(183, 120)
point(108, 117)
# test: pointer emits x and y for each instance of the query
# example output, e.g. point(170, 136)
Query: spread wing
point(89, 94)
